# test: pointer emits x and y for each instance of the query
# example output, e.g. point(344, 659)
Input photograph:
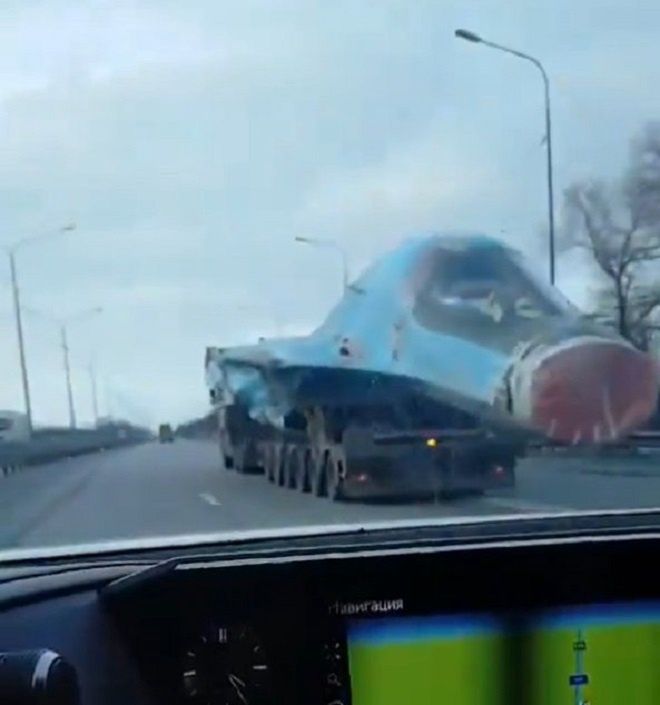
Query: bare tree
point(619, 226)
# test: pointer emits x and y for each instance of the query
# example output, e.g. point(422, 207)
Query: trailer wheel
point(304, 479)
point(334, 484)
point(280, 460)
point(269, 463)
point(291, 463)
point(319, 486)
point(285, 470)
point(248, 460)
point(296, 468)
point(239, 455)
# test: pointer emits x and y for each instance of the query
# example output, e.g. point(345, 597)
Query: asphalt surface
point(163, 490)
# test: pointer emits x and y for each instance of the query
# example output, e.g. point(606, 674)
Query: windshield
point(298, 266)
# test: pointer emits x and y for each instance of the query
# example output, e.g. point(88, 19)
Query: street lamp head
point(37, 238)
point(467, 35)
point(300, 239)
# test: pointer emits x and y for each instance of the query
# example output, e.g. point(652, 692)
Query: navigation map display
point(593, 655)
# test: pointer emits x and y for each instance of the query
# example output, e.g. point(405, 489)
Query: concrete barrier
point(54, 444)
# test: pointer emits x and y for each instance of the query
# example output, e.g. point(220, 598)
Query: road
point(162, 490)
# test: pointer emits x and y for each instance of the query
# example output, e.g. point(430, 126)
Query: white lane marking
point(209, 499)
point(523, 506)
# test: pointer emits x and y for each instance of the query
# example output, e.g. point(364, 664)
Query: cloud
point(192, 142)
point(416, 186)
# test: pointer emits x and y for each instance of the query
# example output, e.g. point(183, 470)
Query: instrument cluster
point(275, 630)
point(226, 665)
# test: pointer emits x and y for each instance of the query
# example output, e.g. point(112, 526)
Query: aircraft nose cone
point(593, 392)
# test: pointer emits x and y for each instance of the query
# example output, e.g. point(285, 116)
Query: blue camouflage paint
point(265, 376)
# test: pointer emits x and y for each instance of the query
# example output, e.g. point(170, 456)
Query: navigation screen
point(595, 655)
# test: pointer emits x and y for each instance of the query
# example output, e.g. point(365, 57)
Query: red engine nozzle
point(592, 391)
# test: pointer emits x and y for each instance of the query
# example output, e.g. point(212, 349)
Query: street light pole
point(475, 38)
point(65, 351)
point(551, 198)
point(67, 372)
point(11, 254)
point(331, 244)
point(21, 345)
point(62, 324)
point(95, 398)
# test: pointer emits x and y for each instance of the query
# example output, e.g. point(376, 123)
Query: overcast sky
point(192, 141)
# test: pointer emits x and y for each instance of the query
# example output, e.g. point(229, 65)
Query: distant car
point(165, 433)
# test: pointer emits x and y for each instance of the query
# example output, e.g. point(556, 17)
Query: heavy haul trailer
point(324, 454)
point(456, 337)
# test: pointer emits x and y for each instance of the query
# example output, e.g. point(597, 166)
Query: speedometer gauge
point(226, 665)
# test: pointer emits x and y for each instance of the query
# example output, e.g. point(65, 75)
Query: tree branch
point(620, 227)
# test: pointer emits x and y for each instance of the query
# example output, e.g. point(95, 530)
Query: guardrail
point(639, 443)
point(55, 444)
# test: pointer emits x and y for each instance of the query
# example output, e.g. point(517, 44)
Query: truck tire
point(334, 484)
point(280, 460)
point(297, 464)
point(291, 463)
point(226, 459)
point(246, 459)
point(269, 462)
point(304, 479)
point(319, 475)
point(239, 454)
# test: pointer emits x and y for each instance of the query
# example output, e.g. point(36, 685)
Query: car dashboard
point(419, 615)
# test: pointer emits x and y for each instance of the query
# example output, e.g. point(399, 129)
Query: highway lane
point(163, 490)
